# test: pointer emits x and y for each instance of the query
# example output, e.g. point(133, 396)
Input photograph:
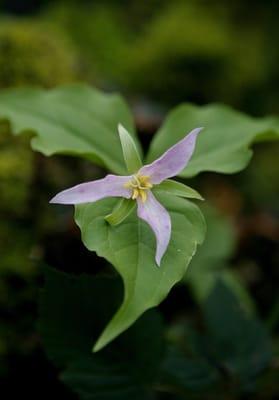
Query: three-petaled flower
point(138, 187)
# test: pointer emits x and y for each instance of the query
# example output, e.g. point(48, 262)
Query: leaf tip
point(98, 346)
point(199, 197)
point(121, 129)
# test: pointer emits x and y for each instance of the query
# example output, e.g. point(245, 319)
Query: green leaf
point(97, 379)
point(76, 120)
point(231, 351)
point(211, 264)
point(239, 340)
point(130, 247)
point(68, 323)
point(121, 211)
point(219, 244)
point(176, 189)
point(126, 368)
point(223, 145)
point(185, 373)
point(130, 152)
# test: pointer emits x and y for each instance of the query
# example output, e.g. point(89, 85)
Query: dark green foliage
point(167, 52)
point(36, 54)
point(239, 342)
point(232, 350)
point(179, 50)
point(75, 310)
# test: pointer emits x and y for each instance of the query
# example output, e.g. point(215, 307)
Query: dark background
point(157, 54)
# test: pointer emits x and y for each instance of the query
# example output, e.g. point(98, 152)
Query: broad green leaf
point(125, 369)
point(186, 373)
point(211, 264)
point(175, 188)
point(234, 347)
point(239, 340)
point(130, 247)
point(223, 145)
point(215, 251)
point(121, 211)
point(69, 322)
point(98, 379)
point(75, 120)
point(185, 367)
point(130, 152)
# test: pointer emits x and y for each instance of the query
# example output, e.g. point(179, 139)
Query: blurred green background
point(157, 53)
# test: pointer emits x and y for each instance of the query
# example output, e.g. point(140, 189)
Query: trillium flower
point(138, 186)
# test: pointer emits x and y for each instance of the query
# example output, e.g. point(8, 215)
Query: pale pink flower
point(139, 188)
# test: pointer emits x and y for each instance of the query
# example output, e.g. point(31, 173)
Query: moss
point(36, 54)
point(101, 35)
point(173, 52)
point(190, 51)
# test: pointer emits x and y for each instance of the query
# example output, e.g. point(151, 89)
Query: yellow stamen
point(145, 182)
point(143, 195)
point(135, 194)
point(139, 185)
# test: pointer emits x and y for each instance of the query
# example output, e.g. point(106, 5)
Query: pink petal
point(173, 160)
point(110, 186)
point(157, 217)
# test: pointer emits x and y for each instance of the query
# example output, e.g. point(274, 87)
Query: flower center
point(139, 185)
